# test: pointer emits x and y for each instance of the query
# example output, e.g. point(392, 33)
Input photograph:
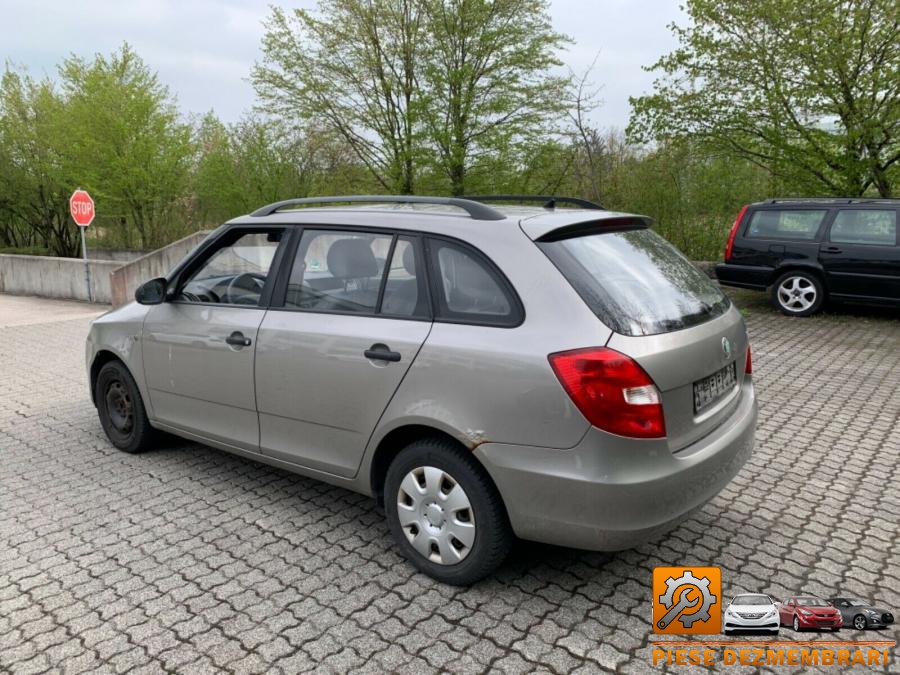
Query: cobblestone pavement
point(188, 559)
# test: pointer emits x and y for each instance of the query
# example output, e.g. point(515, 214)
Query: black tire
point(796, 624)
point(493, 536)
point(865, 622)
point(803, 294)
point(121, 409)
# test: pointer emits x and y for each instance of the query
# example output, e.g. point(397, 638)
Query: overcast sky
point(204, 49)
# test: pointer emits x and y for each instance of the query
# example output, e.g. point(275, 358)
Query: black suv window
point(786, 223)
point(468, 289)
point(865, 226)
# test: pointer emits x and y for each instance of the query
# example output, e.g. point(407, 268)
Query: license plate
point(710, 389)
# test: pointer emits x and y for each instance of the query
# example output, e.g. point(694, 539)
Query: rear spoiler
point(560, 225)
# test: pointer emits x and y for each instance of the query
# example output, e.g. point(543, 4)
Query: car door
point(198, 346)
point(336, 344)
point(861, 255)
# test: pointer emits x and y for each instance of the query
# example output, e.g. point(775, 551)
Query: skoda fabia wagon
point(558, 374)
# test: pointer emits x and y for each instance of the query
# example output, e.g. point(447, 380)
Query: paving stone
point(187, 559)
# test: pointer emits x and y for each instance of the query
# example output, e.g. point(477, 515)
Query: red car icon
point(806, 611)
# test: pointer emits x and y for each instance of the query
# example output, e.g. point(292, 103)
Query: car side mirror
point(151, 292)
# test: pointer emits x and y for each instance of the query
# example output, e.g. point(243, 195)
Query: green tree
point(124, 142)
point(808, 89)
point(486, 75)
point(349, 69)
point(34, 190)
point(409, 84)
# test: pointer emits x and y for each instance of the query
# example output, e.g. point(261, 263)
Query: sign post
point(81, 206)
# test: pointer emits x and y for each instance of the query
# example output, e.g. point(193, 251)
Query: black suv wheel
point(798, 293)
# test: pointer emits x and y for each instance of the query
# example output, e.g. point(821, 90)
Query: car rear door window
point(468, 289)
point(785, 223)
point(636, 282)
point(405, 291)
point(337, 271)
point(869, 227)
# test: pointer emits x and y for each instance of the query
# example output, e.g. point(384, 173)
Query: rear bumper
point(744, 276)
point(611, 493)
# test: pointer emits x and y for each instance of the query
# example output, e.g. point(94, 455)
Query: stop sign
point(81, 206)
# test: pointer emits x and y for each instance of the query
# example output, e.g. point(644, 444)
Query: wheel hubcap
point(119, 407)
point(797, 294)
point(860, 623)
point(436, 515)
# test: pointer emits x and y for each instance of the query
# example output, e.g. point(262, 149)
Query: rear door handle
point(381, 352)
point(832, 249)
point(237, 339)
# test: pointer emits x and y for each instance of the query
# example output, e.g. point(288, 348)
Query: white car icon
point(751, 611)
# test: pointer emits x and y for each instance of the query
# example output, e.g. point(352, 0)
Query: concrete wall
point(125, 280)
point(50, 277)
point(120, 254)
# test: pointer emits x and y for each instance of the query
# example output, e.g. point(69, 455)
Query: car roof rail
point(549, 201)
point(831, 200)
point(474, 209)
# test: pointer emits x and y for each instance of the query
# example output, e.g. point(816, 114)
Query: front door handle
point(381, 352)
point(832, 249)
point(237, 339)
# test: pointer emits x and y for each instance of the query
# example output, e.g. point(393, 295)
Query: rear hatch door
point(664, 313)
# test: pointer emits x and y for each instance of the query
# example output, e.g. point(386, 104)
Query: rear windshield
point(636, 282)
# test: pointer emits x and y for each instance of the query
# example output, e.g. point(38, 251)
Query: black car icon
point(860, 614)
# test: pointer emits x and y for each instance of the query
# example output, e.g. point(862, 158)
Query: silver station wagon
point(560, 374)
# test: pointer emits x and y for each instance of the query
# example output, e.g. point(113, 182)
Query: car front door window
point(235, 273)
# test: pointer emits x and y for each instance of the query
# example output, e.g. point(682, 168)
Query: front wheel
point(796, 624)
point(121, 409)
point(798, 293)
point(445, 513)
point(859, 622)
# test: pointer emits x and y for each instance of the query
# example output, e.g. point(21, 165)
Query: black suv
point(807, 250)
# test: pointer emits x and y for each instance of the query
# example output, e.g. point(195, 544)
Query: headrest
point(409, 260)
point(352, 259)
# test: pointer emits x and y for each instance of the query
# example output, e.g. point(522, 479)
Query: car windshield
point(752, 600)
point(811, 602)
point(636, 282)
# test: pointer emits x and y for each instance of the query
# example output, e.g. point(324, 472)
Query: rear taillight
point(748, 368)
point(611, 391)
point(734, 228)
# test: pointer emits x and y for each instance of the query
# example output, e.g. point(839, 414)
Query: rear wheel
point(798, 293)
point(121, 409)
point(445, 513)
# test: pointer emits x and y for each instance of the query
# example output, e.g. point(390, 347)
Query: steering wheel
point(256, 279)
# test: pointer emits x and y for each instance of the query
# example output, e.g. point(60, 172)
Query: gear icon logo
point(687, 600)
